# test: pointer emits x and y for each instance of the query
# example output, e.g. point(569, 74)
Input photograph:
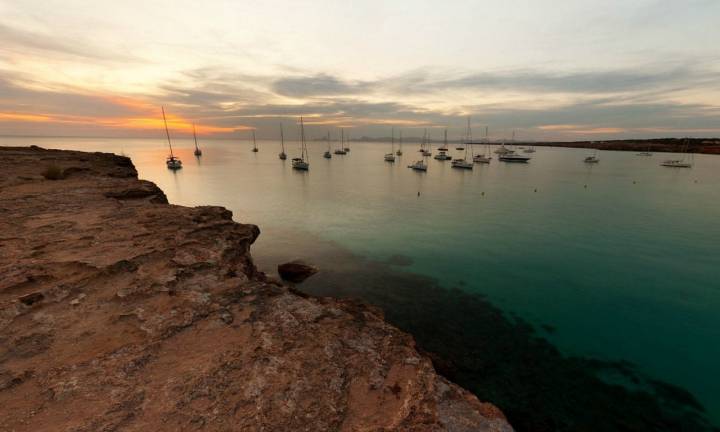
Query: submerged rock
point(296, 271)
point(121, 312)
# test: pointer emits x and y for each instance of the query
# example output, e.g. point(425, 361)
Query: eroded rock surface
point(119, 311)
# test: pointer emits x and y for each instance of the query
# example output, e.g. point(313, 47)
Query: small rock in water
point(296, 271)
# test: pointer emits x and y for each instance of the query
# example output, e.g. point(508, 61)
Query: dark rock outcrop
point(121, 312)
point(296, 271)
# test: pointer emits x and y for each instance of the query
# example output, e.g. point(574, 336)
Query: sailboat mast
point(167, 132)
point(328, 140)
point(392, 140)
point(195, 137)
point(302, 139)
point(254, 143)
point(487, 141)
point(400, 140)
point(282, 139)
point(469, 132)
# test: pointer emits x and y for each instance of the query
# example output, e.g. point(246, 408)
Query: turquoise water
point(621, 258)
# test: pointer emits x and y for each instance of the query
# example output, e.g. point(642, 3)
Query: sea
point(567, 293)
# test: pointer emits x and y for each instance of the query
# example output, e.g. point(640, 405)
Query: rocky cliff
point(119, 311)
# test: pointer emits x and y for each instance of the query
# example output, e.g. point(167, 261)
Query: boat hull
point(515, 159)
point(676, 164)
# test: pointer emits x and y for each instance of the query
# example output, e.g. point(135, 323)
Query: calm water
point(621, 258)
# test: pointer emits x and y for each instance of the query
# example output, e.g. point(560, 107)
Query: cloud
point(23, 42)
point(593, 82)
point(318, 85)
point(223, 102)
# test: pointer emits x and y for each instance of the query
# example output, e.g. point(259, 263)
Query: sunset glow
point(103, 69)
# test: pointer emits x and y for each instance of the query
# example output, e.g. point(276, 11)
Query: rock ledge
point(119, 311)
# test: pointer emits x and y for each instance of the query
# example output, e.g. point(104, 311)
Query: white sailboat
point(197, 151)
point(463, 163)
point(679, 163)
point(390, 157)
point(172, 162)
point(303, 162)
point(282, 155)
point(485, 157)
point(418, 166)
point(442, 151)
point(511, 156)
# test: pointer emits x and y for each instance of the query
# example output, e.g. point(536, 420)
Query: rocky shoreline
point(119, 311)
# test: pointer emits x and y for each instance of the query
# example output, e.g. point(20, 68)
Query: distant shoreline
point(695, 145)
point(673, 145)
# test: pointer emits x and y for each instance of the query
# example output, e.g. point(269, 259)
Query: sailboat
point(462, 147)
point(390, 157)
point(444, 147)
point(282, 154)
point(327, 154)
point(511, 156)
point(303, 162)
point(485, 157)
point(255, 148)
point(502, 150)
point(197, 152)
point(172, 162)
point(399, 150)
point(530, 149)
point(442, 151)
point(679, 163)
point(464, 163)
point(646, 152)
point(426, 148)
point(592, 159)
point(418, 165)
point(341, 150)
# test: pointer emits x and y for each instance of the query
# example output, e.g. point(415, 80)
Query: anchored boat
point(172, 162)
point(197, 151)
point(302, 163)
point(282, 154)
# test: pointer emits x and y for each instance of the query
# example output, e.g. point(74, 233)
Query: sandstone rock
point(171, 327)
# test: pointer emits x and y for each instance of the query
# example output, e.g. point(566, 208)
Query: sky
point(546, 69)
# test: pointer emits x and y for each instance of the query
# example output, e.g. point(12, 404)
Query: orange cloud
point(148, 118)
point(23, 117)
